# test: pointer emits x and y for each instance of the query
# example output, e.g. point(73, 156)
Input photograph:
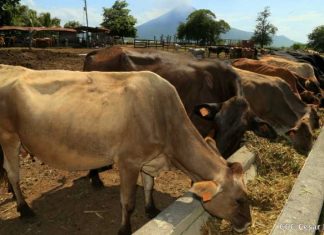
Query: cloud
point(171, 3)
point(308, 16)
point(69, 13)
point(298, 26)
point(30, 3)
point(158, 8)
point(149, 15)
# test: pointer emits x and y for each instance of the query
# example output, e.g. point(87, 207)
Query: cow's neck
point(191, 154)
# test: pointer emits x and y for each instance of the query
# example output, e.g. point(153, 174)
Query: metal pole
point(86, 12)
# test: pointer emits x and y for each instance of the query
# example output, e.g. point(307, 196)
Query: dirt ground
point(65, 202)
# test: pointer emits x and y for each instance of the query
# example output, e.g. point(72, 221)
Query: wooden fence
point(168, 44)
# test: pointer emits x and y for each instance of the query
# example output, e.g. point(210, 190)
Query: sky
point(293, 18)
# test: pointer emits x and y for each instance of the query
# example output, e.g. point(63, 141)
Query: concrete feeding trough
point(186, 215)
point(301, 214)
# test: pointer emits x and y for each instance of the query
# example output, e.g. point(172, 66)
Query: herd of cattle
point(234, 52)
point(149, 111)
point(36, 42)
point(229, 51)
point(8, 41)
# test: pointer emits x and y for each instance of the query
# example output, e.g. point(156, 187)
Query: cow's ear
point(206, 190)
point(212, 143)
point(207, 111)
point(262, 128)
point(291, 133)
point(236, 168)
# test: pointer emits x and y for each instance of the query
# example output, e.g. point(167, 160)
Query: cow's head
point(301, 137)
point(230, 121)
point(228, 200)
point(312, 86)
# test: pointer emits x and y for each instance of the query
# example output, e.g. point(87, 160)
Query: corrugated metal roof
point(20, 28)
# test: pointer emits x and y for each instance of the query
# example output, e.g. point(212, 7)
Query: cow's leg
point(128, 180)
point(10, 190)
point(95, 180)
point(11, 164)
point(148, 182)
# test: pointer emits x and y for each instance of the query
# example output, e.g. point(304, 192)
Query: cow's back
point(196, 81)
point(89, 114)
point(302, 69)
point(266, 69)
point(271, 98)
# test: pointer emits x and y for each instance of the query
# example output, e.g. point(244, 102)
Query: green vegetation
point(13, 13)
point(118, 20)
point(264, 30)
point(202, 27)
point(46, 20)
point(72, 24)
point(23, 16)
point(316, 39)
point(298, 46)
point(7, 8)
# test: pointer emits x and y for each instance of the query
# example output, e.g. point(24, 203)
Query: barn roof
point(93, 29)
point(21, 28)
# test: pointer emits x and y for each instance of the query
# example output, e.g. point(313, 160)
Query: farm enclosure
point(65, 203)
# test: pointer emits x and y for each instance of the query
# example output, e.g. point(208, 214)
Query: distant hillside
point(278, 41)
point(167, 24)
point(282, 41)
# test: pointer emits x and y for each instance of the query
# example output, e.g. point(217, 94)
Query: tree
point(23, 16)
point(46, 20)
point(264, 30)
point(316, 39)
point(72, 24)
point(118, 20)
point(202, 26)
point(7, 8)
point(298, 46)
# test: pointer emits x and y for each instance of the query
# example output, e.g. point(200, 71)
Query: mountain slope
point(167, 24)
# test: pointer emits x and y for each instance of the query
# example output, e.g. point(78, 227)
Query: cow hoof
point(151, 212)
point(25, 211)
point(125, 230)
point(96, 183)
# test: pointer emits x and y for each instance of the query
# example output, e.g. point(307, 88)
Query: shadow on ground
point(79, 209)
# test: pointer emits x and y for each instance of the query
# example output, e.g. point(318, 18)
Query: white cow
point(198, 53)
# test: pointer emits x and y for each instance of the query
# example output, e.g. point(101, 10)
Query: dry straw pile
point(278, 166)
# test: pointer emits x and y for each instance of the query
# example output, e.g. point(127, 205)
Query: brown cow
point(295, 82)
point(304, 70)
point(197, 82)
point(261, 67)
point(42, 42)
point(272, 100)
point(10, 41)
point(2, 41)
point(84, 120)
